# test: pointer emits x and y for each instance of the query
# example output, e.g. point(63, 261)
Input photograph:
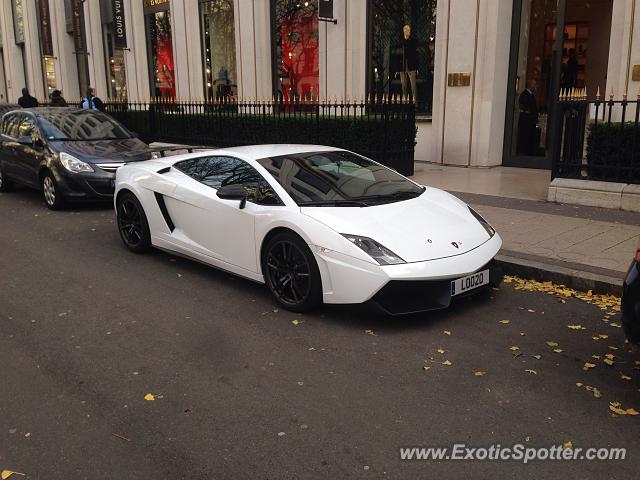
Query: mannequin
point(408, 75)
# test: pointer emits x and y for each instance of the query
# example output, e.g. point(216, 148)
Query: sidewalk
point(593, 246)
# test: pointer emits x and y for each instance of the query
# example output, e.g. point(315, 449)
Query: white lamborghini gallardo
point(316, 224)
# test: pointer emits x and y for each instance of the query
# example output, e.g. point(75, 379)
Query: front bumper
point(91, 186)
point(404, 288)
point(631, 304)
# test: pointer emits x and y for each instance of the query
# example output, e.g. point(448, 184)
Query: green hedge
point(389, 140)
point(613, 152)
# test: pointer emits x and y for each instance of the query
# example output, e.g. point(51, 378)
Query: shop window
point(217, 29)
point(161, 66)
point(116, 70)
point(49, 74)
point(295, 52)
point(402, 50)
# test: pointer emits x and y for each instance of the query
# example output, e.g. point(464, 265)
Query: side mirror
point(26, 140)
point(233, 192)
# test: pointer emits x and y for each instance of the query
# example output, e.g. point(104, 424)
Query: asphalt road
point(87, 329)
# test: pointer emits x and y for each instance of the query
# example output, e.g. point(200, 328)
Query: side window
point(10, 124)
point(216, 172)
point(28, 128)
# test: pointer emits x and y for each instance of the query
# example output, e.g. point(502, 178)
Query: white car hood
point(419, 229)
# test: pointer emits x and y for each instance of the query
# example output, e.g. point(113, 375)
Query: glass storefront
point(217, 30)
point(49, 74)
point(535, 69)
point(114, 51)
point(402, 50)
point(295, 50)
point(116, 70)
point(160, 47)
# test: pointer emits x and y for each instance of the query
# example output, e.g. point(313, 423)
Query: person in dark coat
point(528, 141)
point(57, 100)
point(26, 100)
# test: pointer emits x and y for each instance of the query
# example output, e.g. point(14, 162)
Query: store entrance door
point(541, 64)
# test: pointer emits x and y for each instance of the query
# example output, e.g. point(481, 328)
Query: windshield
point(338, 178)
point(81, 126)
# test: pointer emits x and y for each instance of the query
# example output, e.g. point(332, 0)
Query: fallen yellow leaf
point(579, 384)
point(149, 397)
point(552, 344)
point(537, 357)
point(522, 334)
point(7, 473)
point(558, 350)
point(567, 445)
point(479, 373)
point(296, 322)
point(632, 412)
point(624, 377)
point(528, 370)
point(530, 310)
point(446, 362)
point(514, 348)
point(603, 336)
point(446, 332)
point(617, 410)
point(371, 332)
point(608, 361)
point(588, 365)
point(504, 322)
point(440, 350)
point(576, 327)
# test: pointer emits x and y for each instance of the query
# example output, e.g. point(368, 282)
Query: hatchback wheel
point(52, 197)
point(132, 223)
point(291, 273)
point(5, 184)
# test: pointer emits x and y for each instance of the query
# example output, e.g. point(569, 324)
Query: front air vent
point(164, 211)
point(110, 167)
point(164, 170)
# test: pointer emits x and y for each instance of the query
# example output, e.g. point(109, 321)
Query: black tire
point(291, 272)
point(132, 223)
point(53, 199)
point(6, 185)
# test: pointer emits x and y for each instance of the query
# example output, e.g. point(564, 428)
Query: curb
point(577, 279)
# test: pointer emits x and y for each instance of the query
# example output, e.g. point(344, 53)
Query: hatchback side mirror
point(26, 140)
point(233, 192)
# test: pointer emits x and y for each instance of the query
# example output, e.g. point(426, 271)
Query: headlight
point(490, 230)
point(74, 165)
point(379, 253)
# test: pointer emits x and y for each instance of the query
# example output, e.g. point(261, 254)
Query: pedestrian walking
point(26, 100)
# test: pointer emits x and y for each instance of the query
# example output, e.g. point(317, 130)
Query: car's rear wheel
point(52, 196)
point(291, 273)
point(5, 184)
point(132, 223)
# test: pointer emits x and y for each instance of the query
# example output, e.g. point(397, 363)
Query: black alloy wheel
point(291, 273)
point(132, 223)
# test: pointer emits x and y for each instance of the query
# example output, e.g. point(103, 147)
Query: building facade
point(481, 72)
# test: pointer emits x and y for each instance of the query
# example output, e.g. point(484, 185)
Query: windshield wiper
point(399, 195)
point(338, 203)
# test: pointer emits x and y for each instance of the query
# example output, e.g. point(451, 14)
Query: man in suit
point(26, 100)
point(528, 120)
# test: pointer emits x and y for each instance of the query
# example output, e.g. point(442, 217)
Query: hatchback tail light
point(638, 255)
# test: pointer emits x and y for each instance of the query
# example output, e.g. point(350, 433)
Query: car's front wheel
point(5, 184)
point(132, 223)
point(291, 272)
point(52, 196)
